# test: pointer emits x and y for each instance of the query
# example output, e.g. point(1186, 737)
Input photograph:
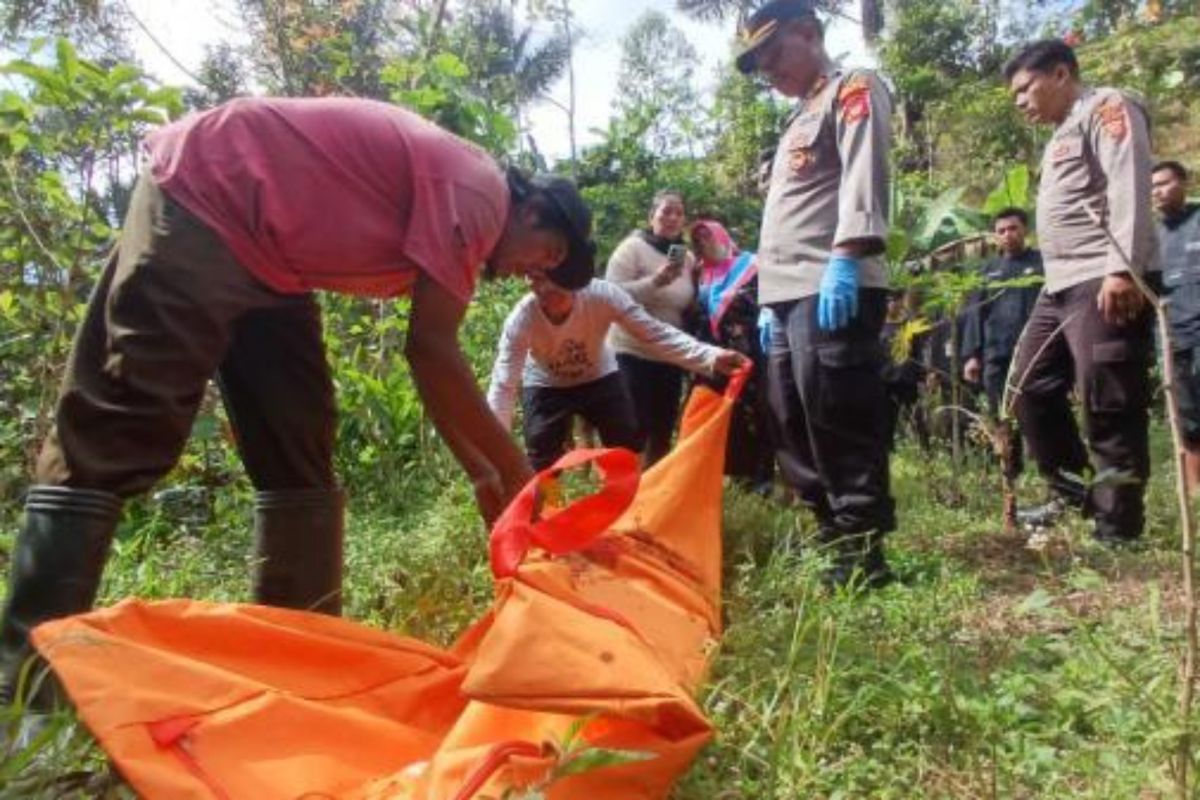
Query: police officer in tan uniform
point(822, 275)
point(1091, 328)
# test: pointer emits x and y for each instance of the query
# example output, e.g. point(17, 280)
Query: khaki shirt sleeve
point(864, 135)
point(1120, 138)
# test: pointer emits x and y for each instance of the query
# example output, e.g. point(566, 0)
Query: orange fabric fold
point(607, 613)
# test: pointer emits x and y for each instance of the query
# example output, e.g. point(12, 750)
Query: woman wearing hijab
point(729, 318)
point(655, 268)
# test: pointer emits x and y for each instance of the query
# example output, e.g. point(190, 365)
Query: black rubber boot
point(298, 535)
point(856, 559)
point(878, 573)
point(56, 568)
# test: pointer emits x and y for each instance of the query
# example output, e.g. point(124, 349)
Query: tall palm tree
point(507, 59)
point(512, 66)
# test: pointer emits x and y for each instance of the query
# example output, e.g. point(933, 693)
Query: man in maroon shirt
point(242, 212)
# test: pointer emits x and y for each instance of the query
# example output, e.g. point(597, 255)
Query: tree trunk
point(566, 23)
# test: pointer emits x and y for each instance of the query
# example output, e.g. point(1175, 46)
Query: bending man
point(242, 212)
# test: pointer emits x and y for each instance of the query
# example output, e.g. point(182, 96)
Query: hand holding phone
point(668, 272)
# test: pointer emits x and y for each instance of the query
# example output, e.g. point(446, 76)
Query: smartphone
point(677, 253)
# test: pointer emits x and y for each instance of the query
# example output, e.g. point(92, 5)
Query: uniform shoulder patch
point(854, 99)
point(1113, 117)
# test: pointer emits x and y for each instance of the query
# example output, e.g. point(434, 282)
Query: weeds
point(990, 671)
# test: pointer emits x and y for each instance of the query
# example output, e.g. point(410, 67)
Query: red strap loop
point(574, 527)
point(492, 762)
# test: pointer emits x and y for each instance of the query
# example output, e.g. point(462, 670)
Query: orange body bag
point(607, 613)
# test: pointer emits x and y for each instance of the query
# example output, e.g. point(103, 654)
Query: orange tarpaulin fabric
point(606, 615)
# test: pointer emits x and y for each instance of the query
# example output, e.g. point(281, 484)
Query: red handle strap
point(491, 764)
point(737, 382)
point(574, 527)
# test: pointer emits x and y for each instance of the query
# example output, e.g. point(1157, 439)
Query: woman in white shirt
point(554, 350)
point(656, 269)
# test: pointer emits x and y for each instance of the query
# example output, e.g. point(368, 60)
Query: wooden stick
point(1187, 689)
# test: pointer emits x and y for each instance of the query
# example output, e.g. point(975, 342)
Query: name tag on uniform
point(1066, 149)
point(1193, 247)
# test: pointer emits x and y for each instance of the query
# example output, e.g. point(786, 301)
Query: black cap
point(575, 220)
point(762, 26)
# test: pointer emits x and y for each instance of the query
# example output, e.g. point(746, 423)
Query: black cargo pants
point(827, 397)
point(1068, 344)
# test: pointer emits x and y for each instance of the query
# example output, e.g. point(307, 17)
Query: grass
point(990, 670)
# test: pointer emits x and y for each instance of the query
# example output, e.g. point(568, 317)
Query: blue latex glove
point(766, 323)
point(837, 302)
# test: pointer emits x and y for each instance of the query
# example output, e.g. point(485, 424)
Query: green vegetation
point(992, 670)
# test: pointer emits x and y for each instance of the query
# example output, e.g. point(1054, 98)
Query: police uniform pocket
point(849, 384)
point(1119, 381)
point(801, 145)
point(1067, 172)
point(1066, 149)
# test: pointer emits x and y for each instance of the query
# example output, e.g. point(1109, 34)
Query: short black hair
point(1042, 56)
point(1012, 212)
point(524, 192)
point(1174, 166)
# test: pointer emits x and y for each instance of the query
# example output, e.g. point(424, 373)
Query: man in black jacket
point(1179, 243)
point(996, 315)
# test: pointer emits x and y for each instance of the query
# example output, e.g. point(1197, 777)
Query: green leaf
point(571, 737)
point(28, 70)
point(1012, 191)
point(935, 216)
point(1087, 580)
point(18, 141)
point(68, 60)
point(898, 245)
point(146, 115)
point(599, 758)
point(8, 303)
point(1038, 603)
point(206, 427)
point(450, 65)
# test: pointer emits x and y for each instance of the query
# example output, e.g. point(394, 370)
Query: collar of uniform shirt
point(817, 87)
point(1079, 101)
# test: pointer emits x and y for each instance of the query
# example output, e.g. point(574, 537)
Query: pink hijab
point(723, 277)
point(713, 270)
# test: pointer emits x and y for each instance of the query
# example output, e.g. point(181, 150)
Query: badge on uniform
point(1069, 147)
point(801, 158)
point(854, 99)
point(1113, 118)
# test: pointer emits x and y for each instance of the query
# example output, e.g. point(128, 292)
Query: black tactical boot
point(1067, 493)
point(842, 559)
point(856, 559)
point(57, 563)
point(298, 535)
point(1044, 515)
point(877, 572)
